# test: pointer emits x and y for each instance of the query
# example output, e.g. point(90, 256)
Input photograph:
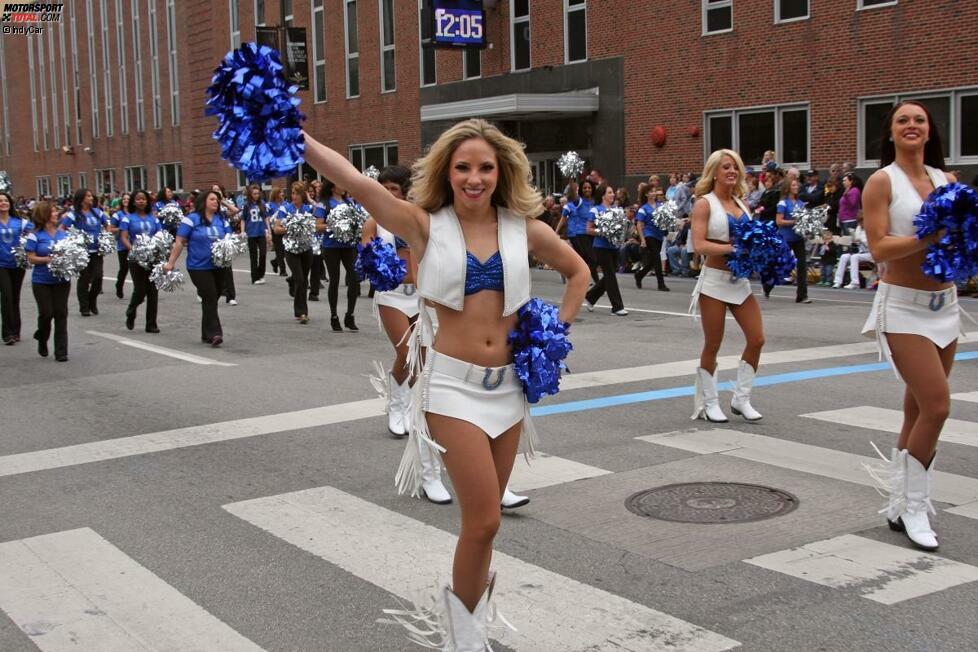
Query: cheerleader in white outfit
point(719, 195)
point(470, 235)
point(915, 319)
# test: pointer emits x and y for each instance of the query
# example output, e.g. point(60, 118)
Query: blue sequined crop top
point(483, 276)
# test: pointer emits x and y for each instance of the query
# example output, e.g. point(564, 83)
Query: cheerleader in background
point(606, 255)
point(163, 197)
point(272, 206)
point(232, 218)
point(790, 188)
point(650, 236)
point(580, 201)
point(50, 292)
point(317, 269)
point(12, 228)
point(138, 220)
point(336, 253)
point(121, 251)
point(300, 263)
point(86, 217)
point(722, 186)
point(259, 236)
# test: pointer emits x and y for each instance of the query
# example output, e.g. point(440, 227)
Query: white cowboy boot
point(512, 501)
point(914, 516)
point(740, 403)
point(706, 403)
point(468, 631)
point(431, 485)
point(397, 406)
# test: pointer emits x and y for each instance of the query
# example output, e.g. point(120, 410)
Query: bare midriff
point(906, 272)
point(717, 262)
point(477, 334)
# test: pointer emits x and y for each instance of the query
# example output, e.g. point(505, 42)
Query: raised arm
point(700, 220)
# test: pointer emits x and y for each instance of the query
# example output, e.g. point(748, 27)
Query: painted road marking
point(825, 462)
point(970, 397)
point(172, 353)
point(552, 612)
point(600, 306)
point(74, 590)
point(877, 571)
point(547, 470)
point(875, 418)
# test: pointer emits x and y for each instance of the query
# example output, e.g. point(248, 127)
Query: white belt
point(488, 377)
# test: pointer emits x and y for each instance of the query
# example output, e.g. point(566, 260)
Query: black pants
point(120, 278)
point(229, 290)
point(143, 289)
point(348, 257)
point(11, 280)
point(257, 251)
point(608, 260)
point(652, 260)
point(583, 245)
point(210, 286)
point(279, 248)
point(300, 265)
point(52, 304)
point(90, 283)
point(317, 273)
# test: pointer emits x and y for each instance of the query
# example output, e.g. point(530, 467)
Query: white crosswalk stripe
point(970, 397)
point(955, 431)
point(401, 555)
point(75, 591)
point(548, 470)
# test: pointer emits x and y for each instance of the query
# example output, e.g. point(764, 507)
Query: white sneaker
point(233, 302)
point(620, 313)
point(836, 286)
point(852, 286)
point(589, 305)
point(199, 300)
point(260, 281)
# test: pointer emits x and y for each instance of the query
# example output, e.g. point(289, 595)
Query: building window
point(135, 178)
point(76, 76)
point(471, 63)
point(575, 30)
point(378, 155)
point(120, 38)
point(64, 185)
point(968, 119)
point(428, 77)
point(53, 69)
point(169, 175)
point(43, 187)
point(786, 11)
point(717, 16)
point(42, 68)
point(352, 48)
point(6, 108)
point(519, 48)
point(154, 60)
point(64, 88)
point(92, 68)
point(387, 76)
point(751, 132)
point(104, 181)
point(260, 13)
point(171, 44)
point(235, 24)
point(82, 179)
point(319, 51)
point(137, 63)
point(30, 68)
point(870, 4)
point(107, 67)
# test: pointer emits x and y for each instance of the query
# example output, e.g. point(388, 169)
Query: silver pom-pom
point(149, 250)
point(106, 243)
point(226, 249)
point(166, 281)
point(571, 165)
point(20, 254)
point(170, 216)
point(69, 256)
point(300, 233)
point(666, 216)
point(612, 225)
point(345, 223)
point(4, 181)
point(810, 221)
point(372, 172)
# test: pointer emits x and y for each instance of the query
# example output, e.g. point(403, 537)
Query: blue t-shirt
point(283, 212)
point(785, 206)
point(200, 237)
point(649, 229)
point(90, 223)
point(328, 241)
point(39, 243)
point(254, 221)
point(577, 216)
point(160, 204)
point(599, 242)
point(135, 224)
point(116, 221)
point(10, 234)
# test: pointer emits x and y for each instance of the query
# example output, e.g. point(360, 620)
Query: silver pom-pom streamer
point(106, 243)
point(345, 223)
point(170, 216)
point(226, 249)
point(810, 221)
point(300, 233)
point(666, 216)
point(612, 225)
point(571, 165)
point(69, 256)
point(148, 250)
point(372, 172)
point(166, 281)
point(20, 254)
point(4, 181)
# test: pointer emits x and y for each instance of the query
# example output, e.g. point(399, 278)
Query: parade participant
point(606, 255)
point(722, 186)
point(197, 232)
point(471, 238)
point(12, 228)
point(271, 207)
point(232, 217)
point(86, 217)
point(580, 201)
point(915, 318)
point(256, 227)
point(163, 197)
point(650, 237)
point(140, 221)
point(336, 253)
point(121, 251)
point(50, 291)
point(789, 201)
point(300, 263)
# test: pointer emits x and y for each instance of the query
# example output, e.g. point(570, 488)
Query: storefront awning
point(517, 106)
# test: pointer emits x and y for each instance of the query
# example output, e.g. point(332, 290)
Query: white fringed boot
point(468, 632)
point(432, 487)
point(914, 516)
point(740, 403)
point(397, 406)
point(706, 403)
point(512, 501)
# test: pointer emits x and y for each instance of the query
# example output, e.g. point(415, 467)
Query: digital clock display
point(458, 23)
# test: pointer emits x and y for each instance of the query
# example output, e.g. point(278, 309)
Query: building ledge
point(516, 106)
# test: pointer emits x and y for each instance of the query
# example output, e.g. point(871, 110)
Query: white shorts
point(404, 299)
point(720, 285)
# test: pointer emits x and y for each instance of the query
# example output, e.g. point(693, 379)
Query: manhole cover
point(711, 502)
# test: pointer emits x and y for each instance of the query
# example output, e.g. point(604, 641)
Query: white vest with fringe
point(718, 228)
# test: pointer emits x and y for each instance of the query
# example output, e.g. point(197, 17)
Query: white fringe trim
point(381, 380)
point(890, 479)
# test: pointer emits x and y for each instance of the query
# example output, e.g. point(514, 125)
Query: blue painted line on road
point(687, 390)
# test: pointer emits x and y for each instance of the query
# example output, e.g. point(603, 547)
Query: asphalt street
point(180, 497)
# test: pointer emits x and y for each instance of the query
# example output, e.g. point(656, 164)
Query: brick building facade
point(807, 78)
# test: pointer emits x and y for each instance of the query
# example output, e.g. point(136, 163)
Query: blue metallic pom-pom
point(759, 249)
point(952, 208)
point(379, 262)
point(540, 345)
point(260, 124)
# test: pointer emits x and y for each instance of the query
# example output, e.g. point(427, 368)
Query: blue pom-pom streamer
point(260, 124)
point(540, 345)
point(379, 262)
point(953, 208)
point(759, 249)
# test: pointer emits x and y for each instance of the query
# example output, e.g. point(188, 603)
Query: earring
point(891, 139)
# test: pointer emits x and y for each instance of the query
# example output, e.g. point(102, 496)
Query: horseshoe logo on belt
point(500, 375)
point(936, 301)
point(408, 291)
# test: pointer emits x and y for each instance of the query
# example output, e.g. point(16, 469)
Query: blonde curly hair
point(430, 184)
point(705, 184)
